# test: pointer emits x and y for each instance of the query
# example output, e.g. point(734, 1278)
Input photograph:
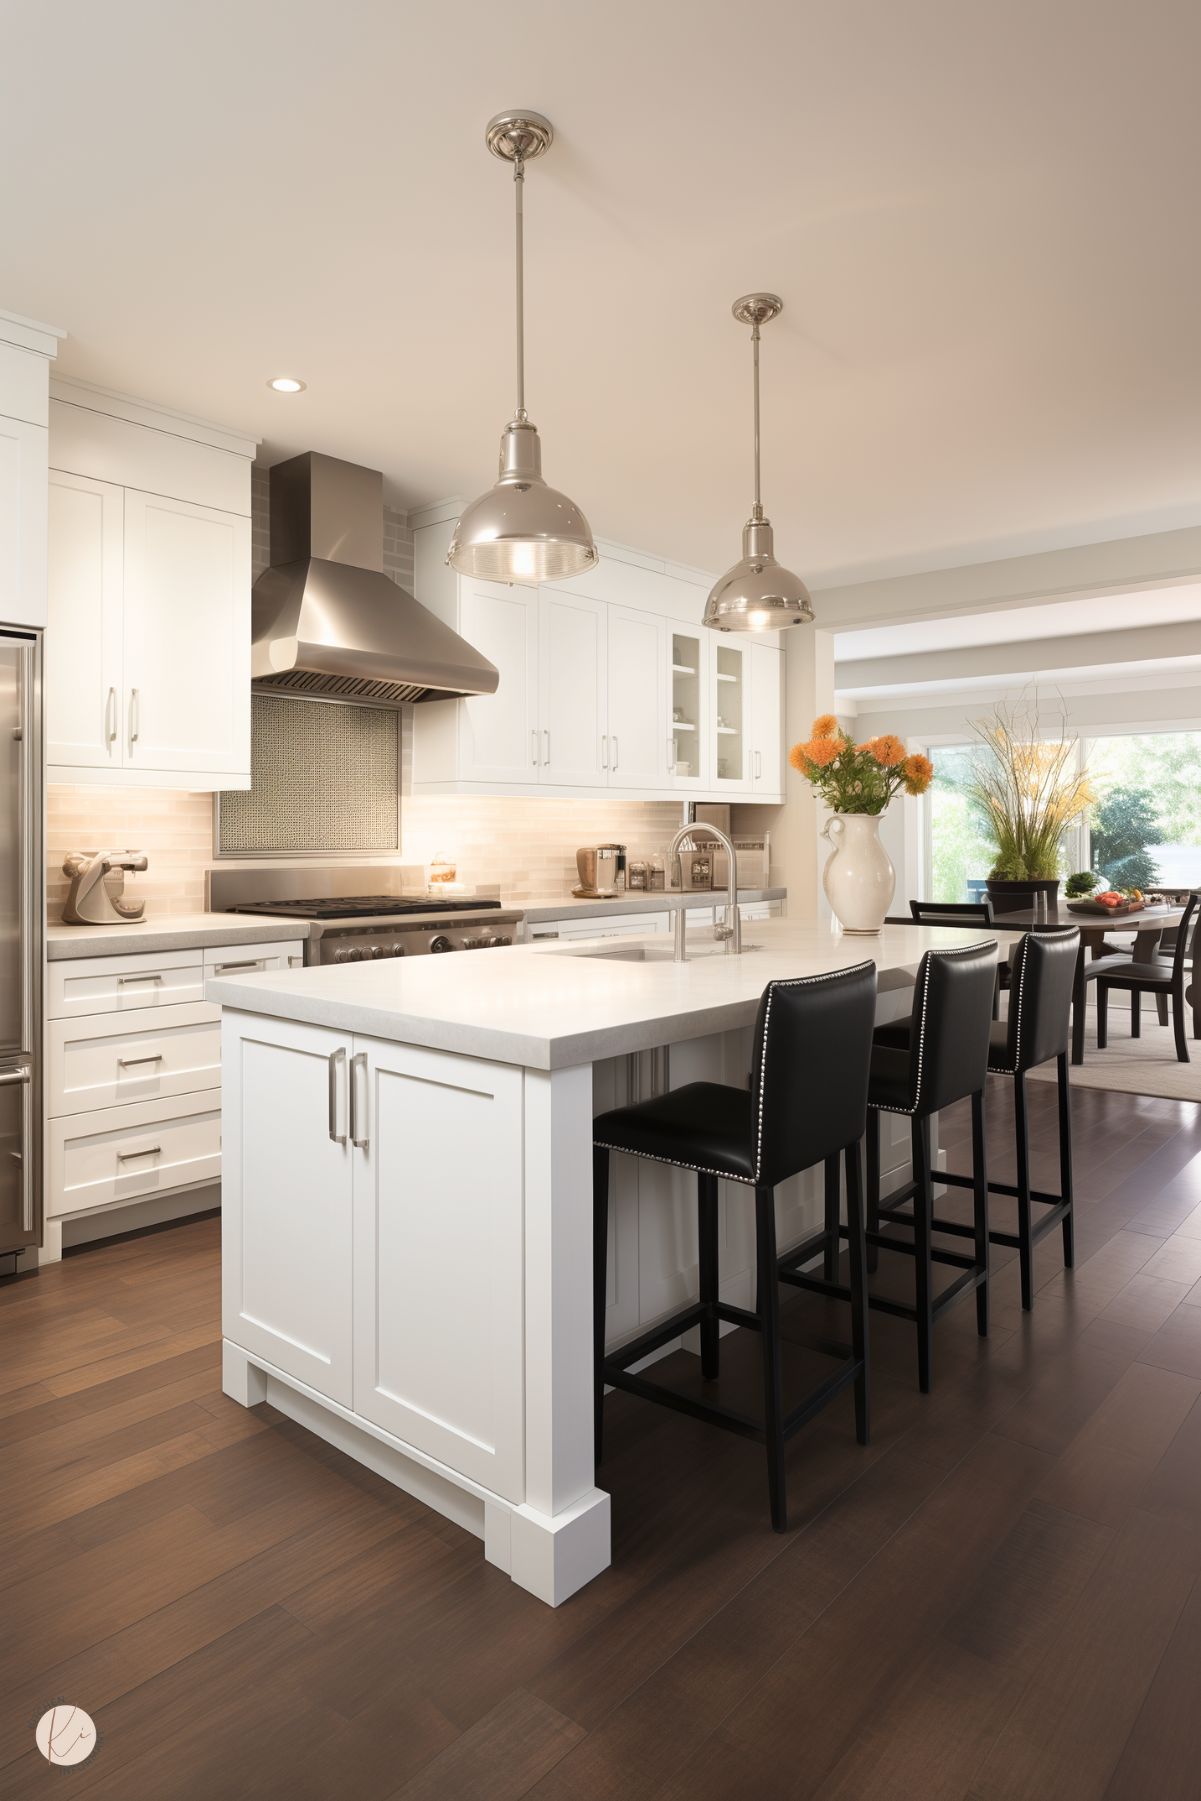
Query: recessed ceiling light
point(286, 384)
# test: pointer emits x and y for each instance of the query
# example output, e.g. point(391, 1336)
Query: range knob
point(341, 956)
point(441, 943)
point(502, 941)
point(474, 944)
point(354, 955)
point(398, 950)
point(376, 950)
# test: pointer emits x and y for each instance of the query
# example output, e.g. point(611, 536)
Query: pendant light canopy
point(757, 594)
point(521, 530)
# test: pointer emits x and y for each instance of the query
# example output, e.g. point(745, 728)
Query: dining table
point(1096, 931)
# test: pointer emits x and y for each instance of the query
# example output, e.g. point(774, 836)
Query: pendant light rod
point(757, 511)
point(519, 193)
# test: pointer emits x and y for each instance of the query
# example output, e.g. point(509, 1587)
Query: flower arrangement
point(858, 778)
point(1029, 791)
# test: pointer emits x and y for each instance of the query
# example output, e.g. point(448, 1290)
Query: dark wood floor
point(997, 1601)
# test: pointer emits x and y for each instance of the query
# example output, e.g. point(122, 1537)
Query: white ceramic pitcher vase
point(859, 878)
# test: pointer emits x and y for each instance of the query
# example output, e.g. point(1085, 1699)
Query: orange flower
point(918, 772)
point(825, 725)
point(821, 752)
point(796, 757)
point(888, 750)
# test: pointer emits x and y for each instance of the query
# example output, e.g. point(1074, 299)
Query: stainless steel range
point(363, 926)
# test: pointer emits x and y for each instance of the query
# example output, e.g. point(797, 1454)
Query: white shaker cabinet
point(638, 651)
point(84, 686)
point(572, 689)
point(186, 637)
point(286, 1200)
point(148, 634)
point(26, 351)
point(767, 722)
point(497, 733)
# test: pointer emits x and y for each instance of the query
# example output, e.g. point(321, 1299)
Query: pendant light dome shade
point(521, 530)
point(757, 594)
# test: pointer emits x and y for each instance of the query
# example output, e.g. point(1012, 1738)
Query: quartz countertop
point(642, 900)
point(178, 932)
point(546, 1007)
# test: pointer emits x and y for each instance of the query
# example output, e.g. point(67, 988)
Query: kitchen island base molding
point(552, 1557)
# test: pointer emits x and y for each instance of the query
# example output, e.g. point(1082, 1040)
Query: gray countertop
point(179, 932)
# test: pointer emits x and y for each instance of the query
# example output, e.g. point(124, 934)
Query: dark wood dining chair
point(1159, 976)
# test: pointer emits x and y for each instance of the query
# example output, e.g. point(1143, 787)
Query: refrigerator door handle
point(11, 1076)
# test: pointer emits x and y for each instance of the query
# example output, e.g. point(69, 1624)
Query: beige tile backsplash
point(524, 846)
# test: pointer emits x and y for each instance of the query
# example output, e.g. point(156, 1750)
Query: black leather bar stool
point(806, 1104)
point(919, 1066)
point(1039, 1027)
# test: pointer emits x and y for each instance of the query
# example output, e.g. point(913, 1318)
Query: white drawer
point(252, 959)
point(107, 1060)
point(82, 985)
point(128, 1153)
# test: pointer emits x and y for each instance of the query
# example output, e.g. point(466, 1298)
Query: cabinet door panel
point(497, 732)
point(83, 642)
point(638, 710)
point(729, 723)
point(287, 1191)
point(767, 720)
point(22, 523)
point(438, 1257)
point(572, 701)
point(186, 637)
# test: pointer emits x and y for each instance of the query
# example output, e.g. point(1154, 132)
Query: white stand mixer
point(91, 901)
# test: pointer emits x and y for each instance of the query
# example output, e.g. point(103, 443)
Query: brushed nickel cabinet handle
point(124, 981)
point(219, 969)
point(152, 1150)
point(133, 1062)
point(135, 718)
point(615, 750)
point(336, 1060)
point(671, 756)
point(358, 1139)
point(604, 752)
point(546, 746)
point(534, 747)
point(110, 720)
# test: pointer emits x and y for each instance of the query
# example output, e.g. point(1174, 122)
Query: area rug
point(1145, 1065)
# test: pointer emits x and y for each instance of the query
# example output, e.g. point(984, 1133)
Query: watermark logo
point(66, 1734)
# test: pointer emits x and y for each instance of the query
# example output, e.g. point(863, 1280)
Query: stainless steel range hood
point(326, 619)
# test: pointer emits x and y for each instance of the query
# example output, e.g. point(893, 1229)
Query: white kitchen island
point(407, 1261)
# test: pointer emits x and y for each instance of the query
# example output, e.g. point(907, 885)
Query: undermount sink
point(649, 953)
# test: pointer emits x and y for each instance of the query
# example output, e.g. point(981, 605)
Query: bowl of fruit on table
point(1109, 902)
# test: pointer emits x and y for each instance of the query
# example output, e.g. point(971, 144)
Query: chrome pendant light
point(757, 594)
point(521, 530)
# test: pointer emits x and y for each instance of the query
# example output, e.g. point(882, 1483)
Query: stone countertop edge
point(187, 931)
point(568, 906)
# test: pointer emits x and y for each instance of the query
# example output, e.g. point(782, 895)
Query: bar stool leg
point(857, 1258)
point(923, 1206)
point(706, 1189)
point(1065, 1161)
point(1136, 1014)
point(1025, 1247)
point(980, 1208)
point(768, 1295)
point(872, 1136)
point(833, 1202)
point(600, 1289)
point(1102, 1016)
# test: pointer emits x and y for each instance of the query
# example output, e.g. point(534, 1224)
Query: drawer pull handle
point(133, 1062)
point(124, 981)
point(336, 1060)
point(219, 969)
point(357, 1138)
point(152, 1150)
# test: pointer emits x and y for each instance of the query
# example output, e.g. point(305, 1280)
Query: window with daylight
point(1145, 829)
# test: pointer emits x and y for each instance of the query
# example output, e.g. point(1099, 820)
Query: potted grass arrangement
point(1029, 790)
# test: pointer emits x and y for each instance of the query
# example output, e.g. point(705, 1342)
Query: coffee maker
point(602, 871)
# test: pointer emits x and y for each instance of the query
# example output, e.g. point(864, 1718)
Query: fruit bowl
point(1100, 910)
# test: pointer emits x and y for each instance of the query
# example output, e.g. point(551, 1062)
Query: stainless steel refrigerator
point(21, 914)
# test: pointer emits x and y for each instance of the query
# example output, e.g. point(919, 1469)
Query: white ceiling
point(982, 219)
point(1012, 625)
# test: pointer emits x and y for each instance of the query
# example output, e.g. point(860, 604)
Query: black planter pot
point(1021, 897)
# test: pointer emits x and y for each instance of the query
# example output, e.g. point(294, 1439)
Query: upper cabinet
point(608, 684)
point(148, 636)
point(26, 351)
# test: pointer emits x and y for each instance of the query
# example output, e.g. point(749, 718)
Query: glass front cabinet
point(729, 715)
point(688, 746)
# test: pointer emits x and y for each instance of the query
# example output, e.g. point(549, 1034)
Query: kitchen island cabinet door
point(287, 1187)
point(438, 1257)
